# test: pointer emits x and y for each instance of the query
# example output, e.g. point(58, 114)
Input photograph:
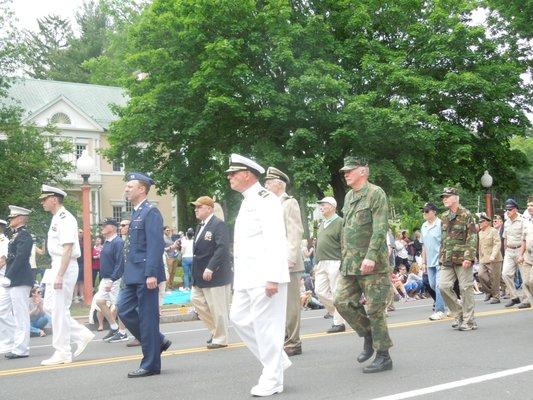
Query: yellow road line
point(111, 360)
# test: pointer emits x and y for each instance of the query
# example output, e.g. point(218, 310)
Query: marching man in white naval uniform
point(7, 322)
point(64, 249)
point(258, 309)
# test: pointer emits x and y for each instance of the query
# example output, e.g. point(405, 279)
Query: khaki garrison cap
point(274, 173)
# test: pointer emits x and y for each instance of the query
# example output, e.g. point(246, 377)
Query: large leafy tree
point(414, 86)
point(30, 155)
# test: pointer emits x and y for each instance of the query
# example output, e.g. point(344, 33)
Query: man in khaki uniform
point(513, 230)
point(276, 181)
point(457, 254)
point(490, 259)
point(526, 253)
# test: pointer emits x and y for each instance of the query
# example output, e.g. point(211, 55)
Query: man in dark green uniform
point(365, 264)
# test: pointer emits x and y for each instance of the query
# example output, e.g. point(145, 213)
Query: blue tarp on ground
point(177, 297)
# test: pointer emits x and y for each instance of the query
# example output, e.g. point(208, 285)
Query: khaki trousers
point(326, 278)
point(294, 309)
point(489, 275)
point(527, 282)
point(510, 264)
point(212, 306)
point(448, 276)
point(172, 265)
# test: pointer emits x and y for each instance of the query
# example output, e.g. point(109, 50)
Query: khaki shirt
point(513, 230)
point(489, 245)
point(528, 238)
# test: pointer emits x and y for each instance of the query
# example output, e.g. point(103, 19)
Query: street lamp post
point(486, 182)
point(85, 166)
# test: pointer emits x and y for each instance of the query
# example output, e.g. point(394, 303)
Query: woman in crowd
point(38, 318)
point(96, 258)
point(308, 252)
point(402, 256)
point(186, 251)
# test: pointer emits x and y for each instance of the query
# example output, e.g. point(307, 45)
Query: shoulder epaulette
point(62, 215)
point(264, 193)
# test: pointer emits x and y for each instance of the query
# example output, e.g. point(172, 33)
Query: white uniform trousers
point(20, 306)
point(326, 277)
point(57, 303)
point(7, 322)
point(212, 306)
point(260, 322)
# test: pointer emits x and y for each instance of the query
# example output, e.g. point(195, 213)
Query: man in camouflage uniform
point(457, 254)
point(365, 266)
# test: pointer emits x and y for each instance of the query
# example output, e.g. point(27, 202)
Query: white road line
point(456, 384)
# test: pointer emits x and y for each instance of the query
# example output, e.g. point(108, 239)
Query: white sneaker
point(56, 360)
point(437, 316)
point(83, 344)
point(261, 391)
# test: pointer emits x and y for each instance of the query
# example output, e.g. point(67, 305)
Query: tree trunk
point(339, 189)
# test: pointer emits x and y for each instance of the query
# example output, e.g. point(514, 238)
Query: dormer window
point(60, 119)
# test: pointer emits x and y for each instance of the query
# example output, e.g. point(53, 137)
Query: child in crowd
point(414, 285)
point(38, 318)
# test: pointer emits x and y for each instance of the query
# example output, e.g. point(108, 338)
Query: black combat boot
point(368, 350)
point(382, 362)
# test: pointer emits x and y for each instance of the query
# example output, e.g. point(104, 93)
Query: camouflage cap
point(449, 191)
point(351, 162)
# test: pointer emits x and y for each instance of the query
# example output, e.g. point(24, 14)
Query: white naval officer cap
point(3, 222)
point(47, 191)
point(15, 211)
point(240, 163)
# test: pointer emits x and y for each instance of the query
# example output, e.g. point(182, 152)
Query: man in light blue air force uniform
point(138, 304)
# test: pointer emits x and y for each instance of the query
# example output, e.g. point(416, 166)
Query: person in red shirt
point(96, 258)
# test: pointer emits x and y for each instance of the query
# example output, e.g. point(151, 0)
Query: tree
point(517, 15)
point(428, 98)
point(10, 50)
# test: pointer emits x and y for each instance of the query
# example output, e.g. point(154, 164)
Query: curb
point(180, 314)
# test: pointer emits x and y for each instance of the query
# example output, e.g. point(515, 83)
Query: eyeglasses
point(123, 225)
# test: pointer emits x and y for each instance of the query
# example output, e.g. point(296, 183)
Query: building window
point(117, 213)
point(129, 206)
point(117, 167)
point(60, 119)
point(79, 149)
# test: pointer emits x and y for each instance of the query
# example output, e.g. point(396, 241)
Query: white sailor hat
point(47, 191)
point(3, 222)
point(15, 211)
point(240, 163)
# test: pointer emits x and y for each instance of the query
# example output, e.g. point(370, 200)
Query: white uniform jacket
point(260, 242)
point(63, 230)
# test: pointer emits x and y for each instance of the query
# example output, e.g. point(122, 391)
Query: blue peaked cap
point(139, 177)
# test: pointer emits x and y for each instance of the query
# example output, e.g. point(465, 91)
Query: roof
point(33, 95)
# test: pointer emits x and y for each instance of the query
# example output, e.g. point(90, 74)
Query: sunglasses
point(123, 225)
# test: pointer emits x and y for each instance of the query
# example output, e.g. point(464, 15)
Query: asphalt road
point(431, 361)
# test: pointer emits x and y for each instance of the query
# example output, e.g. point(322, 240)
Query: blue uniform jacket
point(112, 259)
point(145, 248)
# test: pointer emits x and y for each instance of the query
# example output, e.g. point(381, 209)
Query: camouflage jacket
point(364, 231)
point(458, 238)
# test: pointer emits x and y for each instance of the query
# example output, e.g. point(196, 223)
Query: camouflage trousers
point(372, 321)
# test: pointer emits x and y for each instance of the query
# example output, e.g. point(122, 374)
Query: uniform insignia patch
point(208, 236)
point(264, 193)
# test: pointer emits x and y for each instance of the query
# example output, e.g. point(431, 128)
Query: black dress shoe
point(512, 302)
point(368, 350)
point(293, 351)
point(336, 328)
point(13, 356)
point(165, 344)
point(141, 373)
point(382, 362)
point(210, 340)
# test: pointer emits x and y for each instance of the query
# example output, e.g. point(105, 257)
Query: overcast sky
point(27, 11)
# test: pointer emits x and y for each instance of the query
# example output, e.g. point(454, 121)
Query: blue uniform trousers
point(138, 309)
